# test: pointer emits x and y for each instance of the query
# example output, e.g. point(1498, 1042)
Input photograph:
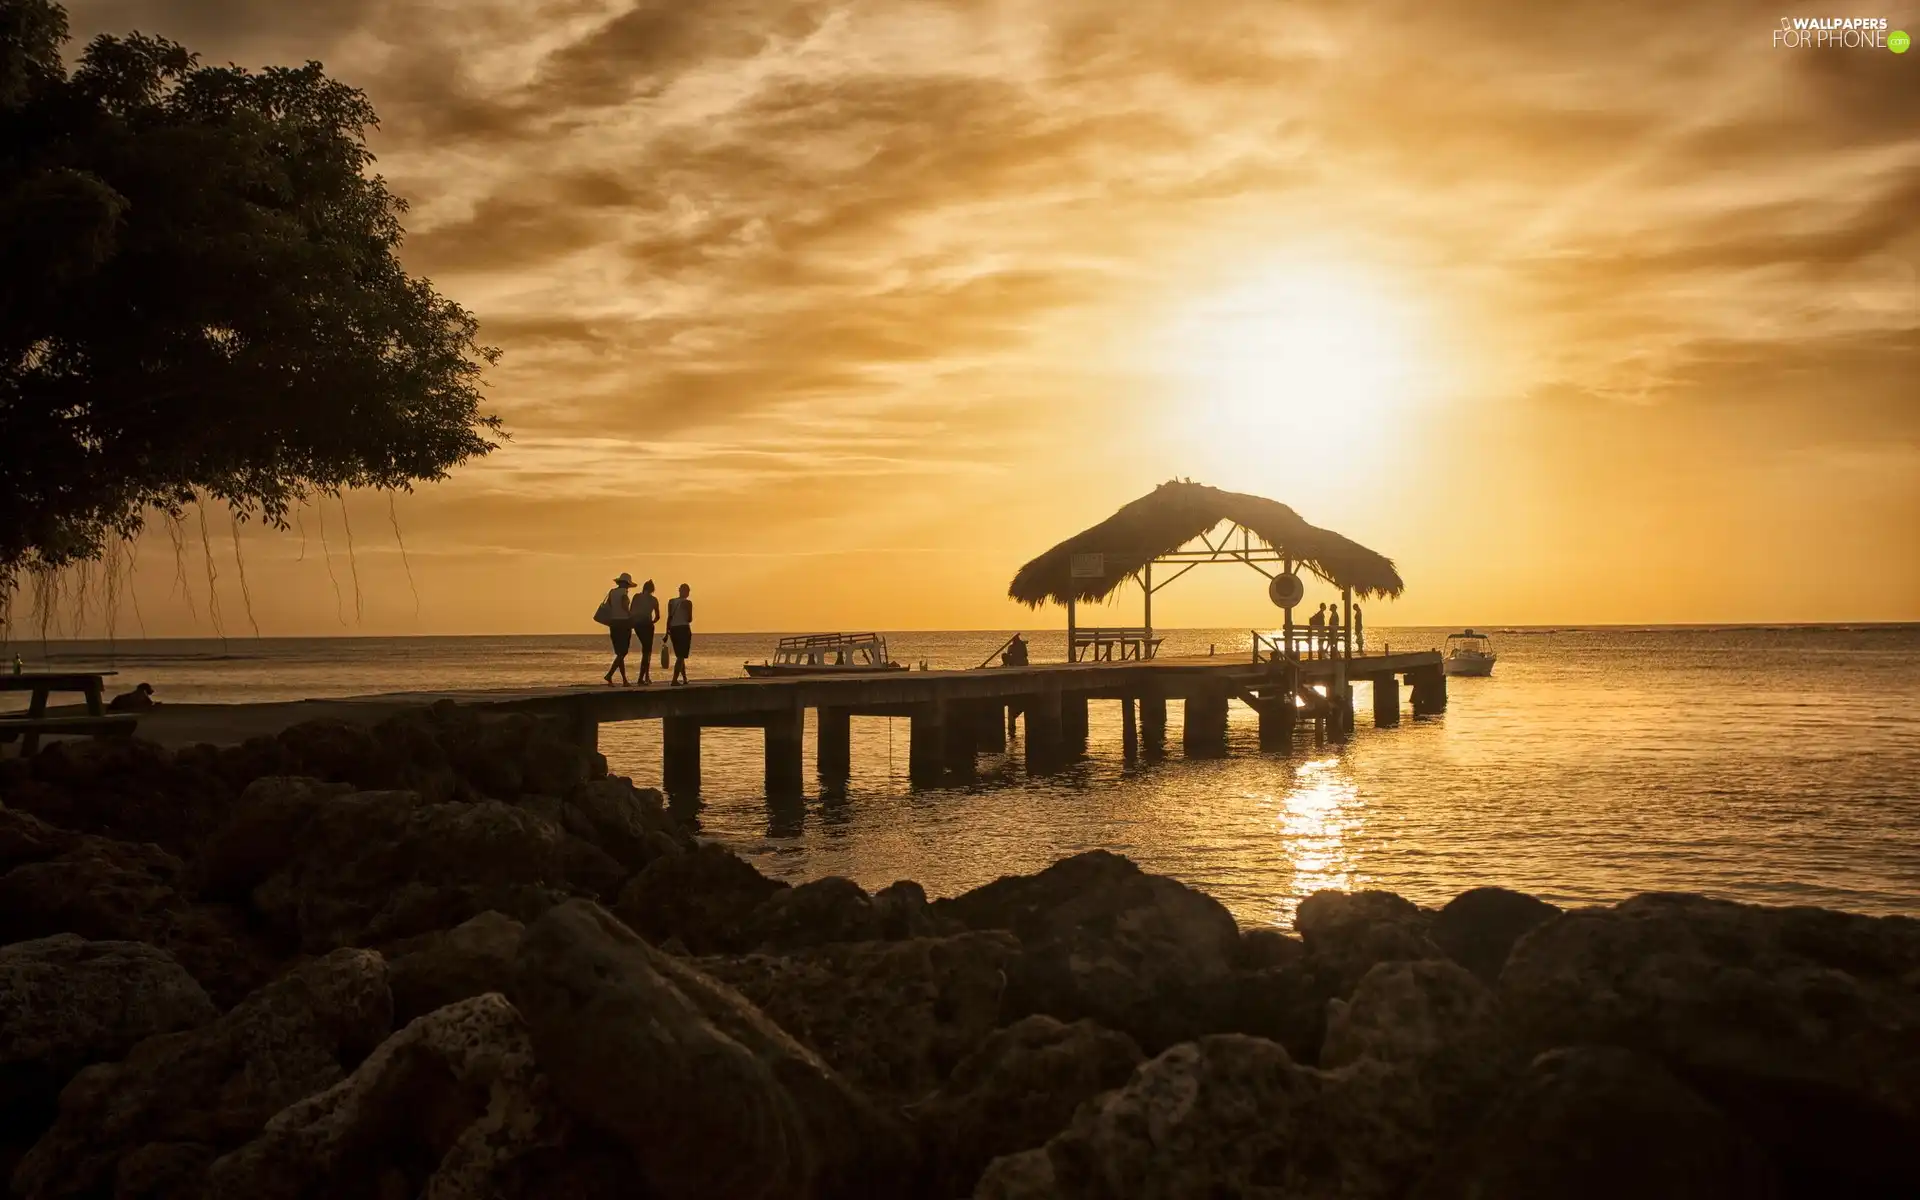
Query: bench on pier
point(34, 724)
point(1099, 644)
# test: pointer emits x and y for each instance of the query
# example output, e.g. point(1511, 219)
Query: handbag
point(604, 614)
point(666, 644)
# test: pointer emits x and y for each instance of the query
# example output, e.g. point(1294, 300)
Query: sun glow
point(1293, 371)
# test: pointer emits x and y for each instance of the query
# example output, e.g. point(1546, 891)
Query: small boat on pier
point(1468, 653)
point(826, 654)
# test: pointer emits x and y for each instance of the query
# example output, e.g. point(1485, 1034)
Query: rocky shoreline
point(448, 956)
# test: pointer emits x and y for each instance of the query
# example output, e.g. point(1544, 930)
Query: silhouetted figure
point(646, 612)
point(1359, 631)
point(1016, 653)
point(616, 613)
point(140, 699)
point(680, 632)
point(1333, 632)
point(1316, 630)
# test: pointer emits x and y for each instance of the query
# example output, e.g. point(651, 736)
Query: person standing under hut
point(1316, 631)
point(616, 613)
point(1359, 632)
point(680, 632)
point(646, 613)
point(1333, 631)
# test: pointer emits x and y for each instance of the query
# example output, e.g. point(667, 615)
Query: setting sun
point(1297, 352)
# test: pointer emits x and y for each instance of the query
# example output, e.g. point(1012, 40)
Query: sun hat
point(625, 580)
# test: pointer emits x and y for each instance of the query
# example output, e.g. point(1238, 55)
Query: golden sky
point(840, 311)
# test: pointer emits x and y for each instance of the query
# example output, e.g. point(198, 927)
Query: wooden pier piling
point(1386, 701)
point(1153, 721)
point(926, 744)
point(784, 732)
point(1073, 721)
point(1044, 743)
point(991, 726)
point(680, 754)
point(1129, 736)
point(1204, 723)
point(1277, 717)
point(833, 743)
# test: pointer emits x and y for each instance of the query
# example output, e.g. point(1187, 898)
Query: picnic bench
point(1098, 644)
point(34, 724)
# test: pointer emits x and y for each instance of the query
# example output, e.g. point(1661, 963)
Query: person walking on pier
point(1333, 632)
point(646, 612)
point(680, 632)
point(616, 613)
point(1316, 631)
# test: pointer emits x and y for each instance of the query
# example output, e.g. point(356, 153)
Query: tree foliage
point(200, 296)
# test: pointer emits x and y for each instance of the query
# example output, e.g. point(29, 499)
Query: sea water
point(1771, 765)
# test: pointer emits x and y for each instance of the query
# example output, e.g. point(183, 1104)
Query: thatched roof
point(1176, 513)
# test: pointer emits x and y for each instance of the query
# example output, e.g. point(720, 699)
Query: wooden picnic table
point(36, 723)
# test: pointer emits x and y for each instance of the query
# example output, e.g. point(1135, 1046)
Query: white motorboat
point(827, 654)
point(1469, 653)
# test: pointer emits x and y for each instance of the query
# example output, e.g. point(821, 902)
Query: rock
point(211, 1089)
point(1597, 1123)
point(512, 754)
point(630, 824)
point(1014, 1092)
point(1802, 1024)
point(1282, 1004)
point(1433, 1016)
point(1234, 1116)
point(903, 912)
point(264, 832)
point(123, 789)
point(66, 1002)
point(454, 1105)
point(1263, 948)
point(117, 891)
point(1107, 941)
point(374, 866)
point(439, 969)
point(816, 913)
point(1351, 932)
point(25, 838)
point(709, 1096)
point(704, 898)
point(1027, 1175)
point(894, 1017)
point(1477, 928)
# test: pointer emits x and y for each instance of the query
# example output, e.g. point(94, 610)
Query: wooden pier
point(956, 715)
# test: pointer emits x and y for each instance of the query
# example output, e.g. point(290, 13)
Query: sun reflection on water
point(1317, 821)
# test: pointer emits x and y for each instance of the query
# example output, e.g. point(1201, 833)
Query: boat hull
point(788, 670)
point(1475, 665)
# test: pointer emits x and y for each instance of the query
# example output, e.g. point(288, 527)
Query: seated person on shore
point(140, 699)
point(1016, 655)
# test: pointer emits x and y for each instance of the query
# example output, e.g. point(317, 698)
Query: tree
point(200, 297)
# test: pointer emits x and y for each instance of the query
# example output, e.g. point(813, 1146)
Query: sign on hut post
point(1088, 566)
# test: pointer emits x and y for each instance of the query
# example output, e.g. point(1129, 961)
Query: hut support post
point(1286, 616)
point(833, 743)
point(1146, 608)
point(680, 754)
point(784, 731)
point(1070, 628)
point(1129, 736)
point(926, 744)
point(1043, 730)
point(1340, 694)
point(1386, 701)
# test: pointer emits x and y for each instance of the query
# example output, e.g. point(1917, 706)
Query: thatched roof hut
point(1176, 513)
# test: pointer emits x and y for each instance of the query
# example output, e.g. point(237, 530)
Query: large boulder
point(704, 899)
point(452, 1106)
point(630, 824)
point(1478, 928)
point(1803, 1024)
point(119, 891)
point(122, 788)
point(179, 1099)
point(894, 1017)
point(66, 1002)
point(380, 866)
point(1233, 1116)
point(1013, 1093)
point(1436, 1018)
point(1598, 1123)
point(816, 913)
point(25, 838)
point(904, 912)
point(709, 1096)
point(1107, 941)
point(438, 969)
point(1348, 933)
